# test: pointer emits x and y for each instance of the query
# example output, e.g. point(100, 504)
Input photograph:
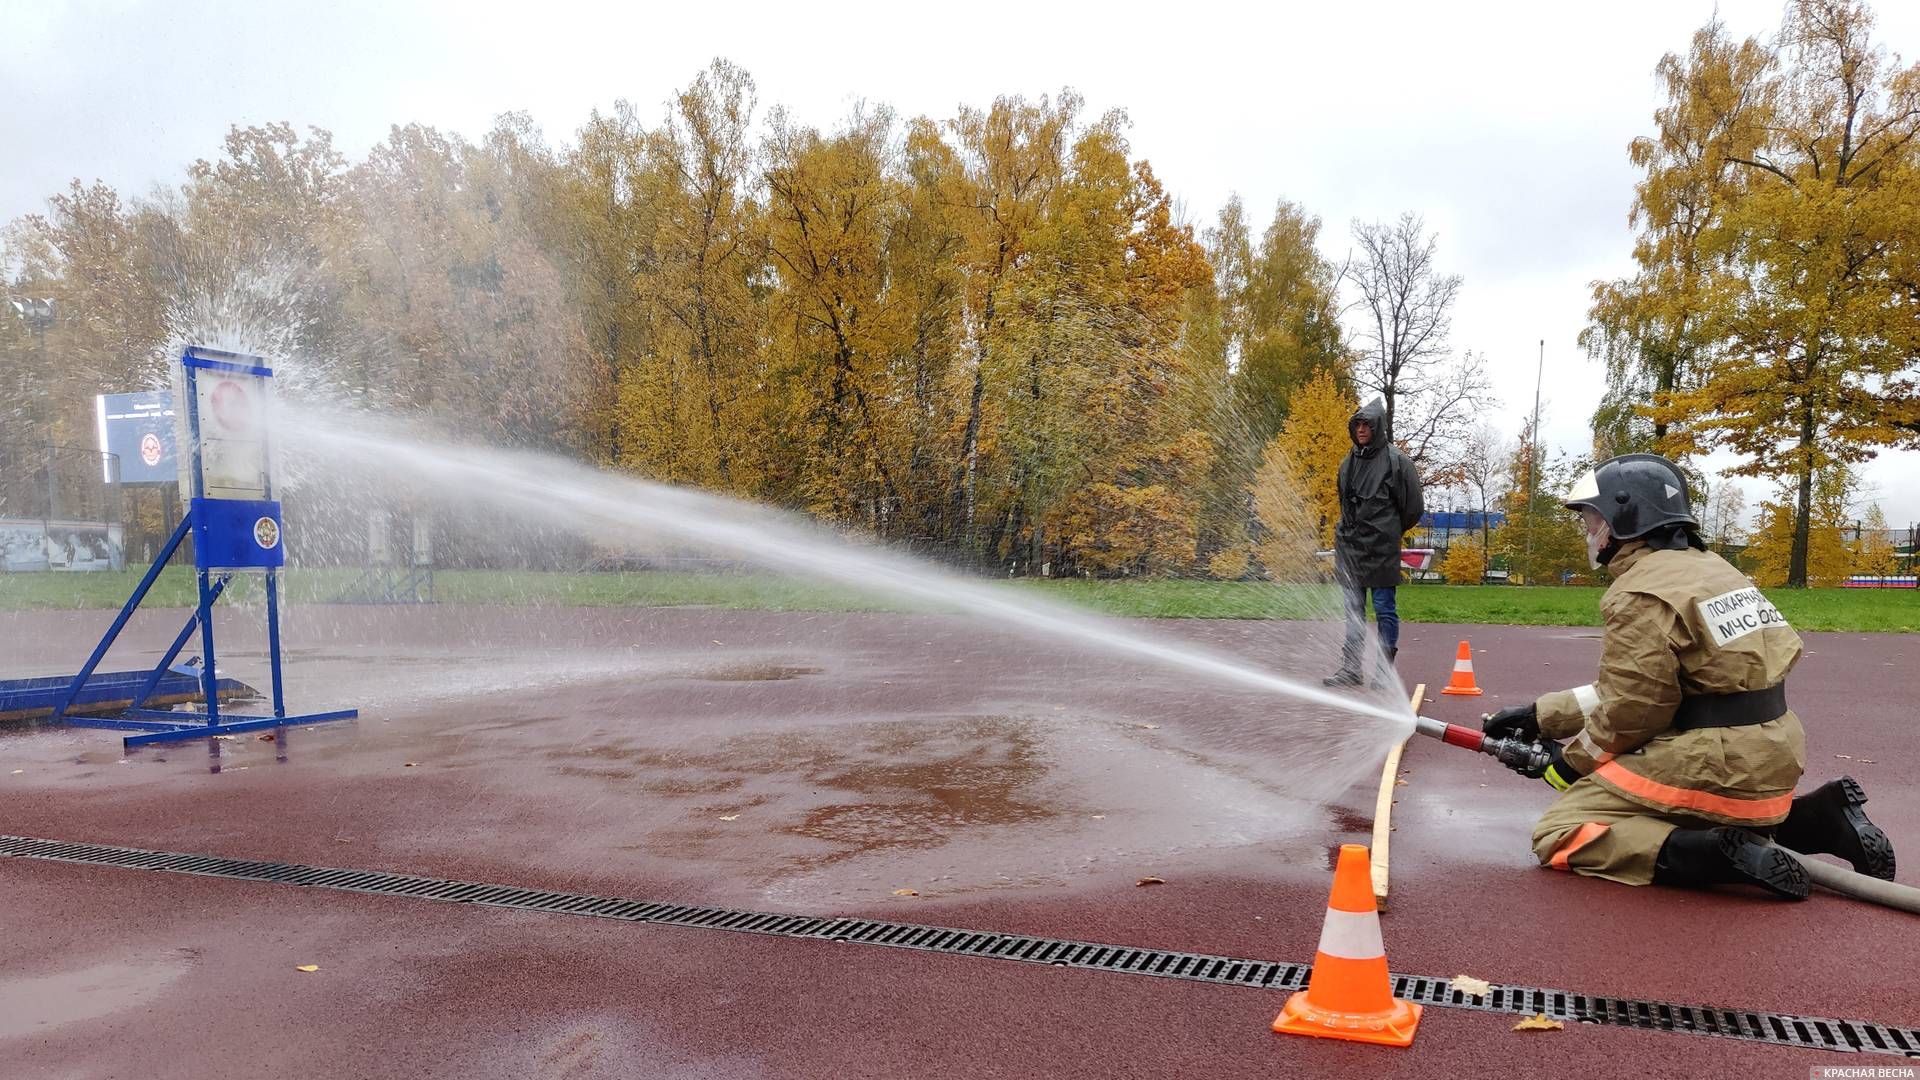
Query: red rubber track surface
point(120, 973)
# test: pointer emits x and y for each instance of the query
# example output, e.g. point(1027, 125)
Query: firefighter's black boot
point(1828, 821)
point(1346, 676)
point(1694, 858)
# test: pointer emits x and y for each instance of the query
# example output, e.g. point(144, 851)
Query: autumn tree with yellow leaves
point(1655, 331)
point(1296, 493)
point(1465, 562)
point(833, 330)
point(91, 300)
point(1874, 553)
point(1270, 325)
point(991, 336)
point(689, 407)
point(1772, 313)
point(452, 296)
point(1147, 384)
point(1540, 540)
point(1829, 560)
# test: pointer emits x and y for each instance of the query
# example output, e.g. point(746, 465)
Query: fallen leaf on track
point(729, 817)
point(1467, 984)
point(1151, 881)
point(906, 892)
point(308, 967)
point(1539, 1022)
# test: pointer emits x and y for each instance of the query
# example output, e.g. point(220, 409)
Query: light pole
point(1533, 451)
point(37, 313)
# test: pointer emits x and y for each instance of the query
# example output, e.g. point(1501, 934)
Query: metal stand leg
point(273, 639)
point(180, 642)
point(207, 679)
point(119, 623)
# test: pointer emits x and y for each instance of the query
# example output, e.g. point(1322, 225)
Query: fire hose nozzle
point(1451, 734)
point(1512, 753)
point(1516, 754)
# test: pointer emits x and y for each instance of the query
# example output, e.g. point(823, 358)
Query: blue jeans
point(1385, 615)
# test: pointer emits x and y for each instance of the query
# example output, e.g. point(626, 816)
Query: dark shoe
point(1343, 677)
point(1828, 821)
point(1695, 858)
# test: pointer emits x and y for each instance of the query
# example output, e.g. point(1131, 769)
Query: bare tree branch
point(1405, 307)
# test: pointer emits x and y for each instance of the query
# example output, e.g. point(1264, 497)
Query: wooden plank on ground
point(1383, 808)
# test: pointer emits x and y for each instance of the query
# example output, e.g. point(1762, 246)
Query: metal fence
point(1900, 539)
point(61, 508)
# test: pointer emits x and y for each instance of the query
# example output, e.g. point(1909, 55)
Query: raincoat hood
point(1375, 414)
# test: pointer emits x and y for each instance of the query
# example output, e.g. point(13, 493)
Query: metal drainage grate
point(1777, 1029)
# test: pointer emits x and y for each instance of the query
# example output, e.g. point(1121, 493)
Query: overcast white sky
point(1504, 124)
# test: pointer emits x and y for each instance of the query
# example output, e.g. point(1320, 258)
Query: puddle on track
point(34, 1004)
point(847, 790)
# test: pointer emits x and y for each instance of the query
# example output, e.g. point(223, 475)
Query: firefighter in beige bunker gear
point(1681, 757)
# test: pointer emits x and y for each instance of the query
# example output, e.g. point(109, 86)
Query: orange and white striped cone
point(1350, 995)
point(1462, 682)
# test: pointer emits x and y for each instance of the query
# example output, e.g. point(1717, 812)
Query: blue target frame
point(229, 534)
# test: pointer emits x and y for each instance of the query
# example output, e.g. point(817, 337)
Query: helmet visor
point(1584, 492)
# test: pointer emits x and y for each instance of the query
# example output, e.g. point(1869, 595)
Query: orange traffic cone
point(1462, 681)
point(1349, 995)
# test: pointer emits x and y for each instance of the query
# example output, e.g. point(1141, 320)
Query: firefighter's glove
point(1519, 722)
point(1559, 773)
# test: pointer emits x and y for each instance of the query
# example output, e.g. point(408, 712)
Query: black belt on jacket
point(1742, 709)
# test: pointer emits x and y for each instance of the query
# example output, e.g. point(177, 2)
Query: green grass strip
point(1860, 610)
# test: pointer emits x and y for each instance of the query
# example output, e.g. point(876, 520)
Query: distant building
point(1437, 528)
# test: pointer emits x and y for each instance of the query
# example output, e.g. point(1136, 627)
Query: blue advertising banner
point(139, 428)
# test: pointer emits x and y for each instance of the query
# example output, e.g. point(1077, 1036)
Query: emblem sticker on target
point(266, 533)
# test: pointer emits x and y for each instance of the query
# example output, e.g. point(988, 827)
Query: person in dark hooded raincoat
point(1379, 501)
